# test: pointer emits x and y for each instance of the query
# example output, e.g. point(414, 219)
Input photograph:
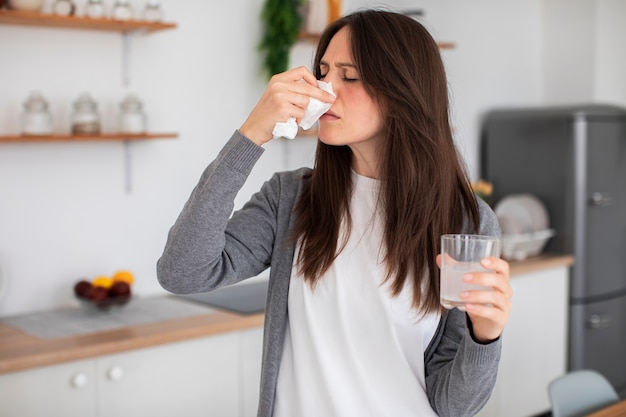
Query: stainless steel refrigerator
point(574, 160)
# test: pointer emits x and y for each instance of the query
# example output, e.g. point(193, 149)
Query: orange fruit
point(102, 281)
point(124, 276)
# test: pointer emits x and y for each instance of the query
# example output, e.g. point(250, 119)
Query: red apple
point(82, 288)
point(100, 297)
point(120, 292)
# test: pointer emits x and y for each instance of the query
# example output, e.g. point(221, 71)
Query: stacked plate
point(525, 228)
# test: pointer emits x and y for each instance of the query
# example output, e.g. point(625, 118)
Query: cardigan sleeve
point(460, 373)
point(208, 248)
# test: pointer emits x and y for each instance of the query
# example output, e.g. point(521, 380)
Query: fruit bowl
point(103, 293)
point(108, 304)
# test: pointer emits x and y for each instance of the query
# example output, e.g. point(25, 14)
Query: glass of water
point(461, 254)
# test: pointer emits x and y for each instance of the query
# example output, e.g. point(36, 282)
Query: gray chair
point(579, 393)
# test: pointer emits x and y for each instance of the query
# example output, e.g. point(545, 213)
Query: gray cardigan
point(207, 248)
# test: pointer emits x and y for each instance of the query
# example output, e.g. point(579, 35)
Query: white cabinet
point(192, 378)
point(211, 376)
point(250, 385)
point(534, 344)
point(62, 390)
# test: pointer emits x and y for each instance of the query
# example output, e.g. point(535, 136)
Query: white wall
point(64, 209)
point(610, 60)
point(569, 39)
point(582, 52)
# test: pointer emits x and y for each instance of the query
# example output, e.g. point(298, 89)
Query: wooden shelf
point(22, 18)
point(86, 138)
point(310, 37)
point(446, 45)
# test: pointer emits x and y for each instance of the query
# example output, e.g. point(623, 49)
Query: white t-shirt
point(351, 349)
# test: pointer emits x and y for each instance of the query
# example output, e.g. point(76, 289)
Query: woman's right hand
point(287, 95)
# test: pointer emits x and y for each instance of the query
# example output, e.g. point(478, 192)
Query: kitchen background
point(73, 210)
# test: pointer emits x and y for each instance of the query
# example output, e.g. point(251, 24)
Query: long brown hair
point(425, 191)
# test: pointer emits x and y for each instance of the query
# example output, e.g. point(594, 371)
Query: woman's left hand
point(489, 310)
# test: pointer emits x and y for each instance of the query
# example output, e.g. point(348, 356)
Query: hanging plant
point(281, 26)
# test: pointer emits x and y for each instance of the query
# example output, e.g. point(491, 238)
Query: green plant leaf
point(281, 26)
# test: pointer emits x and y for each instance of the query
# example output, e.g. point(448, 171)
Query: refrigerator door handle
point(599, 199)
point(599, 321)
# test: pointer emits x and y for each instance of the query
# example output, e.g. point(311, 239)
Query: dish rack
point(516, 247)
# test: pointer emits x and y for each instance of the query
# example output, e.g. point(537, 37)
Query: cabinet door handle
point(115, 373)
point(599, 199)
point(599, 321)
point(80, 380)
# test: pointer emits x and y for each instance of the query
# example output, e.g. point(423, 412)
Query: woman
point(353, 324)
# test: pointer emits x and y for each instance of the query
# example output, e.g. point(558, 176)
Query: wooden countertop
point(20, 351)
point(537, 263)
point(615, 410)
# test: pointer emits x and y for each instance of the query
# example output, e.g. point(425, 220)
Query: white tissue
point(314, 110)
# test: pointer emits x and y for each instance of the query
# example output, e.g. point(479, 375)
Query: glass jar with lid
point(63, 7)
point(85, 117)
point(122, 10)
point(152, 12)
point(132, 118)
point(25, 5)
point(36, 119)
point(94, 9)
